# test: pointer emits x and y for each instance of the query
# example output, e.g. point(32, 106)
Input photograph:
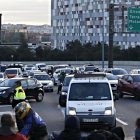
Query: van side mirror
point(115, 96)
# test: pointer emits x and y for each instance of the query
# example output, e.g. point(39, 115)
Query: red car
point(129, 85)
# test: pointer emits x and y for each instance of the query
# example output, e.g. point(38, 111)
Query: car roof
point(95, 77)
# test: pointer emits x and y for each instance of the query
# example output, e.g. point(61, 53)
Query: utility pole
point(0, 28)
point(111, 35)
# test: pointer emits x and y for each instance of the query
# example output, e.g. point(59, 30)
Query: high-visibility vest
point(20, 94)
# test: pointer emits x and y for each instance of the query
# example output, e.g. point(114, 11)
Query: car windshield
point(42, 77)
point(89, 91)
point(136, 78)
point(119, 72)
point(67, 81)
point(89, 68)
point(11, 72)
point(1, 75)
point(8, 83)
point(111, 77)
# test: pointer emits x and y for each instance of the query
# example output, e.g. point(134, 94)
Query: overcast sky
point(36, 12)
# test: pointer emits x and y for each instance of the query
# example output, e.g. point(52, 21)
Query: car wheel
point(62, 103)
point(136, 95)
point(120, 93)
point(11, 97)
point(51, 90)
point(39, 97)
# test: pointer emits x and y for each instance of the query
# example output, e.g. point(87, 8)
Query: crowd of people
point(30, 126)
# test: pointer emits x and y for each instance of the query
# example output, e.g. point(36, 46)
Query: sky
point(32, 12)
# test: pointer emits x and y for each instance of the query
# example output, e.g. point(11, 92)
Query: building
point(83, 20)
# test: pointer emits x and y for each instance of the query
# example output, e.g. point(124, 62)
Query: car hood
point(65, 89)
point(4, 88)
point(45, 81)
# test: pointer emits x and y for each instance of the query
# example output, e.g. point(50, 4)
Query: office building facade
point(88, 21)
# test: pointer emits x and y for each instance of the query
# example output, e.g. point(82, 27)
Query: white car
point(113, 80)
point(45, 79)
point(58, 71)
point(1, 77)
point(135, 71)
point(90, 98)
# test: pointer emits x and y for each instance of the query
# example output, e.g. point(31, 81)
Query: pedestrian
point(8, 130)
point(137, 130)
point(19, 94)
point(119, 132)
point(34, 127)
point(71, 130)
point(61, 78)
point(96, 136)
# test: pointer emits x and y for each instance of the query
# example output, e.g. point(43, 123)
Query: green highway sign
point(133, 20)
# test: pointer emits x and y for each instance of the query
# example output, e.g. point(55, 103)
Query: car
point(45, 79)
point(90, 98)
point(116, 71)
point(135, 71)
point(63, 93)
point(13, 72)
point(129, 85)
point(32, 87)
point(113, 80)
point(56, 74)
point(2, 76)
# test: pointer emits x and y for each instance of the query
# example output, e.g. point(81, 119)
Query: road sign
point(133, 19)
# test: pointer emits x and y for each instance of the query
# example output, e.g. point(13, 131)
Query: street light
point(103, 40)
point(12, 56)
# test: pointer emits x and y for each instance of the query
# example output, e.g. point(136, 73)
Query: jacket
point(20, 94)
point(7, 133)
point(33, 125)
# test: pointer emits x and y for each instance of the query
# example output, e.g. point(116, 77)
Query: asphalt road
point(127, 112)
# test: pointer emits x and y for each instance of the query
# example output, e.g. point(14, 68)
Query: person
point(96, 136)
point(8, 130)
point(70, 132)
point(137, 130)
point(19, 94)
point(119, 132)
point(34, 127)
point(61, 78)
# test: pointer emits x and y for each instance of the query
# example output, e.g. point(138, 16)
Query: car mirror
point(130, 81)
point(115, 96)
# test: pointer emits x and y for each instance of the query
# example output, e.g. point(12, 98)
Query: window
point(31, 82)
point(89, 91)
point(24, 83)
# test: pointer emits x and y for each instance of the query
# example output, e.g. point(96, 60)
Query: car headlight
point(50, 83)
point(72, 111)
point(2, 92)
point(63, 93)
point(108, 111)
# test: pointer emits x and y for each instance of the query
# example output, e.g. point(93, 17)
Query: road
point(127, 112)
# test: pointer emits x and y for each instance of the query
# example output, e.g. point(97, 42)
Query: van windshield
point(89, 91)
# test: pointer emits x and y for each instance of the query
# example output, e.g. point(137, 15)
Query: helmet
point(22, 109)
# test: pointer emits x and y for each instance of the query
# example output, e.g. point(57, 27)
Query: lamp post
point(12, 56)
point(103, 39)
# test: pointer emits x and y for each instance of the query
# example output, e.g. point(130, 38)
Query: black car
point(32, 87)
point(63, 94)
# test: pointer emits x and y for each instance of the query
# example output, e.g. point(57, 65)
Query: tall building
point(88, 21)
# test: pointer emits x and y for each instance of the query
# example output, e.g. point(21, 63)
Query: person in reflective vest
point(19, 94)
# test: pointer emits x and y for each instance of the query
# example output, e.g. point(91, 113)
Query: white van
point(91, 99)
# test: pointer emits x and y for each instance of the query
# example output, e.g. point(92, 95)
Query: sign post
point(133, 19)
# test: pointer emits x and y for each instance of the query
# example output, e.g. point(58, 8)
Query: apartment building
point(88, 21)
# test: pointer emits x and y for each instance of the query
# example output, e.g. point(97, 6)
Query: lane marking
point(7, 112)
point(5, 106)
point(122, 122)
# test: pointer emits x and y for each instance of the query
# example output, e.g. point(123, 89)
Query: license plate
point(91, 120)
